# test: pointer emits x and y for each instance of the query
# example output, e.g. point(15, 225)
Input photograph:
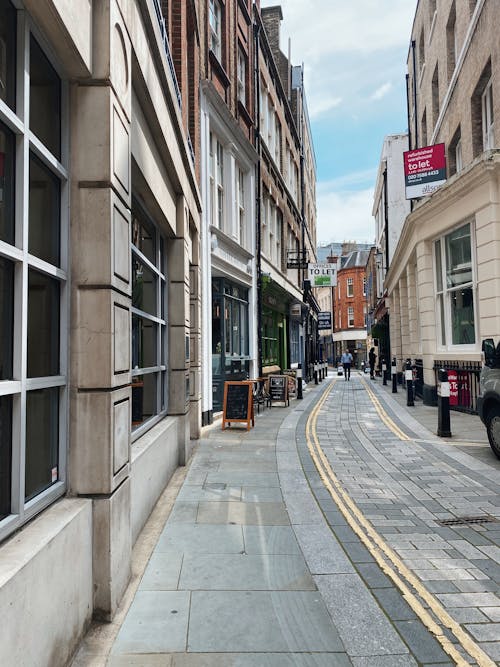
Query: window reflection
point(6, 317)
point(144, 237)
point(42, 437)
point(144, 398)
point(44, 213)
point(45, 100)
point(8, 53)
point(6, 184)
point(5, 454)
point(144, 353)
point(144, 289)
point(43, 325)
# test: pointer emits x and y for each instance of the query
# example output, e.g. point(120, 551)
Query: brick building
point(350, 305)
point(444, 281)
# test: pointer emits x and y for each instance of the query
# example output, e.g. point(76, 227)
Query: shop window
point(33, 394)
point(455, 288)
point(149, 369)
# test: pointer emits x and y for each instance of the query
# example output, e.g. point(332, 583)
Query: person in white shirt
point(346, 360)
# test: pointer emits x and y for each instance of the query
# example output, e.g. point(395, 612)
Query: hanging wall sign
point(425, 170)
point(322, 275)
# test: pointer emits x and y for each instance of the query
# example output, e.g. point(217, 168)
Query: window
point(216, 175)
point(242, 76)
point(435, 96)
point(350, 317)
point(240, 204)
point(149, 395)
point(279, 233)
point(423, 139)
point(277, 141)
point(482, 113)
point(8, 53)
point(350, 287)
point(421, 54)
point(455, 153)
point(364, 285)
point(455, 288)
point(215, 16)
point(451, 42)
point(487, 114)
point(33, 269)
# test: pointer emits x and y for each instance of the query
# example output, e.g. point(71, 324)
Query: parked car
point(488, 401)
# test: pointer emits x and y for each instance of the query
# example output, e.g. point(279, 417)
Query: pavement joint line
point(381, 551)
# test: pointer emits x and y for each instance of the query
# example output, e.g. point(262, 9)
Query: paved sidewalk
point(256, 567)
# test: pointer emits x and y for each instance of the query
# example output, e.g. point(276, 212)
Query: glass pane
point(144, 390)
point(439, 268)
point(244, 328)
point(458, 257)
point(6, 318)
point(45, 100)
point(144, 334)
point(42, 438)
point(235, 328)
point(144, 283)
point(7, 171)
point(5, 454)
point(144, 237)
point(462, 317)
point(44, 213)
point(43, 325)
point(442, 320)
point(8, 53)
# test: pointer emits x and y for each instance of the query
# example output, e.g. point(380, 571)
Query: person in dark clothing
point(372, 358)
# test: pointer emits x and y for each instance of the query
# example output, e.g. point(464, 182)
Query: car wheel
point(493, 429)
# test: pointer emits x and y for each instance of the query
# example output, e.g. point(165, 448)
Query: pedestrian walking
point(372, 358)
point(346, 360)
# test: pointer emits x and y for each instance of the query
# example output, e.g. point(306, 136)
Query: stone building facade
point(100, 302)
point(444, 282)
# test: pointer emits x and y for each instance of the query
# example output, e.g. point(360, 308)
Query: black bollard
point(394, 375)
point(326, 368)
point(316, 373)
point(409, 383)
point(443, 404)
point(384, 372)
point(299, 381)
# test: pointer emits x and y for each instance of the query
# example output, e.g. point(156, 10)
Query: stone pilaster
point(427, 308)
point(99, 454)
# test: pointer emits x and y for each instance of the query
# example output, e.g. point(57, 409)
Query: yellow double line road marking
point(387, 559)
point(384, 416)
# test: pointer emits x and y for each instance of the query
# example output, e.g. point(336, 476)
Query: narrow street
point(338, 531)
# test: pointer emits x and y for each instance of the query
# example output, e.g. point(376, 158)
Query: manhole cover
point(465, 520)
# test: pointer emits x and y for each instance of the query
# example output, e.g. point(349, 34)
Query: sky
point(354, 56)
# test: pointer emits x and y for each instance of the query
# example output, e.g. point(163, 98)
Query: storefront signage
point(324, 320)
point(425, 170)
point(278, 388)
point(238, 404)
point(453, 380)
point(322, 275)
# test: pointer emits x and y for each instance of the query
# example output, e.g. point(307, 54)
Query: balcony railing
point(166, 47)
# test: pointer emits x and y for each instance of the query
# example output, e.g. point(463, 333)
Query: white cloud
point(381, 91)
point(345, 215)
point(318, 105)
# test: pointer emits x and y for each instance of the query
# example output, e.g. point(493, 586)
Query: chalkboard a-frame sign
point(278, 388)
point(238, 403)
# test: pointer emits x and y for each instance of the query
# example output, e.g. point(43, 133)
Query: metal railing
point(463, 377)
point(166, 47)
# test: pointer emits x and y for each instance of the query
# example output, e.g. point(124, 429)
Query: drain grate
point(466, 520)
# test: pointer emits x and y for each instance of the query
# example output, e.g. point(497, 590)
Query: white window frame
point(350, 317)
point(444, 335)
point(242, 76)
point(27, 143)
point(216, 182)
point(240, 206)
point(350, 287)
point(487, 116)
point(458, 156)
point(215, 21)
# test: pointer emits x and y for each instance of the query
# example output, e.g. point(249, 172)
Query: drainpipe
point(258, 239)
